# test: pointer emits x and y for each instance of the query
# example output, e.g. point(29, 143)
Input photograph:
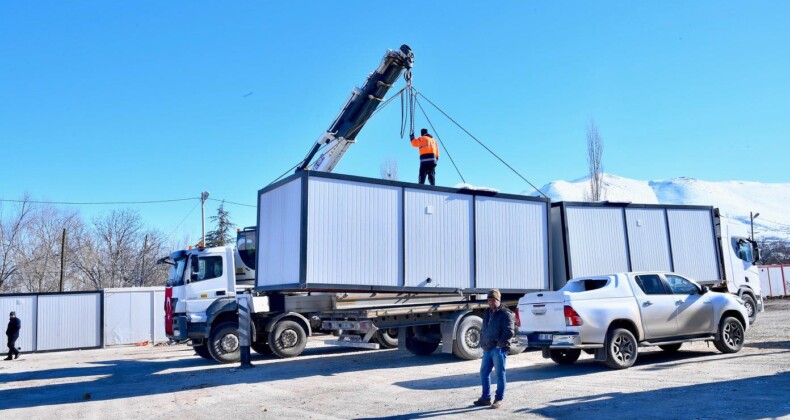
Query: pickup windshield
point(176, 277)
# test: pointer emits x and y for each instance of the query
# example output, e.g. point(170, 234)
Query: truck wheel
point(223, 343)
point(671, 348)
point(287, 339)
point(467, 338)
point(751, 307)
point(419, 347)
point(516, 348)
point(388, 338)
point(730, 338)
point(261, 347)
point(202, 351)
point(621, 349)
point(565, 356)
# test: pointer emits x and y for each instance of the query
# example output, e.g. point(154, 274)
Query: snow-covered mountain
point(735, 199)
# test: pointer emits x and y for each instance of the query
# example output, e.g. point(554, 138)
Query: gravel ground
point(329, 382)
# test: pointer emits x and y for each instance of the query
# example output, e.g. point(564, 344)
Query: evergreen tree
point(222, 234)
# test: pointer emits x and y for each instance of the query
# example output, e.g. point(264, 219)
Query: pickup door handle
point(647, 303)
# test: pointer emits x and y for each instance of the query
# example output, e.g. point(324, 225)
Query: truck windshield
point(245, 244)
point(176, 277)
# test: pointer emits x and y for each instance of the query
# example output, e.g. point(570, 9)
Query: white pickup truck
point(611, 316)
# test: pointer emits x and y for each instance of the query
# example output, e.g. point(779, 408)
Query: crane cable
point(436, 133)
point(418, 93)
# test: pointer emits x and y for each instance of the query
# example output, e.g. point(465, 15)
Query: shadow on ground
point(134, 378)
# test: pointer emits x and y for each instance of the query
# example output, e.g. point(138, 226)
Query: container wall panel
point(117, 318)
point(279, 234)
point(765, 284)
point(648, 240)
point(786, 279)
point(693, 243)
point(158, 322)
point(511, 244)
point(25, 308)
point(558, 271)
point(354, 233)
point(69, 321)
point(438, 239)
point(596, 241)
point(776, 285)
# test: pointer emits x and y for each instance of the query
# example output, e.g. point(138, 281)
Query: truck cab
point(740, 254)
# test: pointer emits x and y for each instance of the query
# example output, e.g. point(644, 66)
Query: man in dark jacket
point(498, 323)
point(12, 332)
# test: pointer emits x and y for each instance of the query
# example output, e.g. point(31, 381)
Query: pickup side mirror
point(703, 290)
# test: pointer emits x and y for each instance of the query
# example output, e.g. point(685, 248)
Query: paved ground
point(169, 382)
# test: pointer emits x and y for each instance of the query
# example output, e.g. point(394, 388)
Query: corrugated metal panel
point(765, 285)
point(596, 240)
point(69, 321)
point(353, 233)
point(558, 273)
point(438, 239)
point(279, 235)
point(25, 308)
point(693, 243)
point(786, 278)
point(511, 244)
point(158, 321)
point(648, 240)
point(777, 287)
point(117, 311)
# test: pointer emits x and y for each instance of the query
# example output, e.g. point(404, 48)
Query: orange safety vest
point(429, 151)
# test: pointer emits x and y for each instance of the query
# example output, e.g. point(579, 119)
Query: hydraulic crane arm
point(358, 110)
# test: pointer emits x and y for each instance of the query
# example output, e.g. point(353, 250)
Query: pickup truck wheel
point(223, 343)
point(261, 348)
point(387, 338)
point(202, 351)
point(287, 338)
point(565, 356)
point(621, 349)
point(751, 307)
point(730, 338)
point(467, 338)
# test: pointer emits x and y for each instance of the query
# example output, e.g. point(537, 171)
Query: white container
point(323, 231)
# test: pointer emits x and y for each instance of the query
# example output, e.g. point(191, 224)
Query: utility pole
point(62, 257)
point(753, 216)
point(203, 198)
point(142, 263)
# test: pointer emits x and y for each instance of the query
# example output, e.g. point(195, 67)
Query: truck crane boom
point(358, 110)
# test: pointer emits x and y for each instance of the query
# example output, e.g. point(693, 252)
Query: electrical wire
point(184, 219)
point(231, 202)
point(99, 202)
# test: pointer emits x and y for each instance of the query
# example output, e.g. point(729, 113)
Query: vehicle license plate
point(544, 337)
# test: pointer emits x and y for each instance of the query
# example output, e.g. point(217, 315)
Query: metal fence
point(84, 320)
point(775, 280)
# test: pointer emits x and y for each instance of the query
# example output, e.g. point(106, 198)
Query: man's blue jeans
point(495, 358)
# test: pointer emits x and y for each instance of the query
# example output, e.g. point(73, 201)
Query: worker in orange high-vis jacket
point(429, 155)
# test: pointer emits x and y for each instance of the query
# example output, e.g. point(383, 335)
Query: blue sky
point(134, 101)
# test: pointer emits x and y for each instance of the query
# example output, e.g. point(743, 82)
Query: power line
point(99, 202)
point(232, 202)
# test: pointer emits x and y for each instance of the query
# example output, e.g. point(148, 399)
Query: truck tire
point(287, 338)
point(516, 348)
point(671, 348)
point(565, 356)
point(387, 338)
point(751, 307)
point(419, 347)
point(261, 347)
point(730, 338)
point(202, 351)
point(223, 342)
point(621, 349)
point(467, 338)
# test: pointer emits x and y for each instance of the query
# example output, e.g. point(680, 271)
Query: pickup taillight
point(572, 318)
point(518, 319)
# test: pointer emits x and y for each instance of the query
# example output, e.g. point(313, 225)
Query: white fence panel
point(133, 315)
point(25, 308)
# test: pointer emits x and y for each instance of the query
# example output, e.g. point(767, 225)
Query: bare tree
point(389, 169)
point(594, 162)
point(11, 232)
point(108, 256)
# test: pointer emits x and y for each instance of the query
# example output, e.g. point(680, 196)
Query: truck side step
point(678, 341)
point(356, 344)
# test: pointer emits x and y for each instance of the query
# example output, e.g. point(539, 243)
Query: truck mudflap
point(180, 328)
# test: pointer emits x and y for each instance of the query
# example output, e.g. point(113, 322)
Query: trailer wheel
point(621, 349)
point(467, 338)
point(419, 347)
point(287, 338)
point(202, 351)
point(565, 356)
point(223, 342)
point(261, 347)
point(730, 338)
point(751, 307)
point(388, 338)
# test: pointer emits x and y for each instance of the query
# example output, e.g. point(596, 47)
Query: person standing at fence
point(12, 332)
